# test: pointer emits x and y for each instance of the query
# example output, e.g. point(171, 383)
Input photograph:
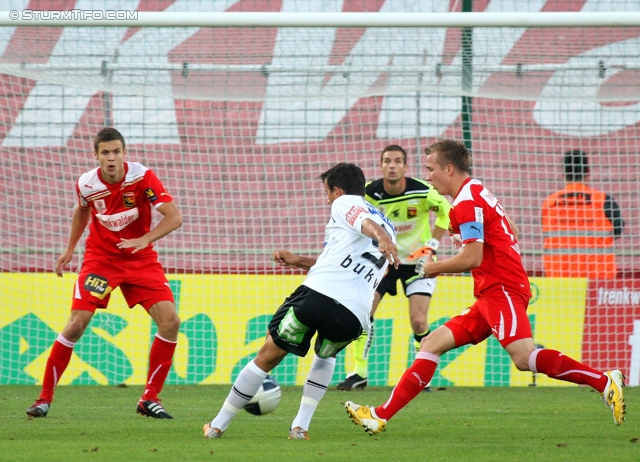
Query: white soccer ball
point(267, 398)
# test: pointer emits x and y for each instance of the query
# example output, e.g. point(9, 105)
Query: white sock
point(246, 385)
point(314, 388)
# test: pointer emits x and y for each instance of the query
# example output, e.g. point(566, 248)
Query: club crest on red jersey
point(129, 200)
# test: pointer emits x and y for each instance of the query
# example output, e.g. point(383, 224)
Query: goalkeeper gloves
point(426, 254)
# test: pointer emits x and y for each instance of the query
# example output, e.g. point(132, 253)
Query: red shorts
point(141, 281)
point(496, 311)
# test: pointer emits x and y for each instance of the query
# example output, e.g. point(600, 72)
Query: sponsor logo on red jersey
point(118, 221)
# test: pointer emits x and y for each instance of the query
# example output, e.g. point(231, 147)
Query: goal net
point(238, 122)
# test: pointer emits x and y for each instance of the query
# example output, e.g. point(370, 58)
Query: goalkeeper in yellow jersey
point(407, 203)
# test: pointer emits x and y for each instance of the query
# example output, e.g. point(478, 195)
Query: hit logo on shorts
point(97, 285)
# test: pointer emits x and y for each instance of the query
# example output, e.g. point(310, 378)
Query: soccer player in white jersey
point(487, 241)
point(333, 301)
point(118, 198)
point(407, 203)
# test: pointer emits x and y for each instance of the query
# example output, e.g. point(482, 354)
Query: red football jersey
point(121, 210)
point(477, 216)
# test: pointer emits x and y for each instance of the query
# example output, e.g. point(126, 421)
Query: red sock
point(56, 364)
point(410, 385)
point(561, 367)
point(160, 360)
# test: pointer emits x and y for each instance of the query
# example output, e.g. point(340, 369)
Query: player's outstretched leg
point(39, 409)
point(417, 338)
point(298, 433)
point(613, 395)
point(211, 432)
point(243, 389)
point(366, 417)
point(561, 367)
point(153, 409)
point(412, 382)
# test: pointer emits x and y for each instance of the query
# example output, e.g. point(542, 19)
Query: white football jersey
point(350, 267)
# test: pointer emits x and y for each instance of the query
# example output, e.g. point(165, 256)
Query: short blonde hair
point(451, 152)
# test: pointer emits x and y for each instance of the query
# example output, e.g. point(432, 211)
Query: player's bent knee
point(522, 367)
point(166, 317)
point(73, 333)
point(269, 358)
point(170, 326)
point(521, 363)
point(75, 328)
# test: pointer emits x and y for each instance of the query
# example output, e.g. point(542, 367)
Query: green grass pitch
point(457, 424)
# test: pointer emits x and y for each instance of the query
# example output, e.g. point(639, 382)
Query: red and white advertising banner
point(612, 327)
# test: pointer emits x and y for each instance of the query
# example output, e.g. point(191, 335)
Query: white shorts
point(426, 286)
point(405, 273)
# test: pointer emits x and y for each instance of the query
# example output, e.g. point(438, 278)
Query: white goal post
point(79, 18)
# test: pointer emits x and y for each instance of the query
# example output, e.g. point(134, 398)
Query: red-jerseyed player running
point(487, 243)
point(118, 196)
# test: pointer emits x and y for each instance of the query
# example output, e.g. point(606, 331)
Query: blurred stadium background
point(239, 122)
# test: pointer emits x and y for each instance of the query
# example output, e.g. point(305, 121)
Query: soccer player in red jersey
point(118, 197)
point(486, 240)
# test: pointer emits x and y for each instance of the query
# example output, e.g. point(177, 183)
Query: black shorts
point(306, 312)
point(389, 283)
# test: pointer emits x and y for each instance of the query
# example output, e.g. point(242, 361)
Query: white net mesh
point(239, 122)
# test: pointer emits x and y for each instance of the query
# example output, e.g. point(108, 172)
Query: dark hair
point(576, 165)
point(394, 147)
point(348, 177)
point(107, 134)
point(451, 152)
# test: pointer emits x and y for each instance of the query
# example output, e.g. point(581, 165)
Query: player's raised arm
point(290, 260)
point(470, 257)
point(376, 232)
point(79, 222)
